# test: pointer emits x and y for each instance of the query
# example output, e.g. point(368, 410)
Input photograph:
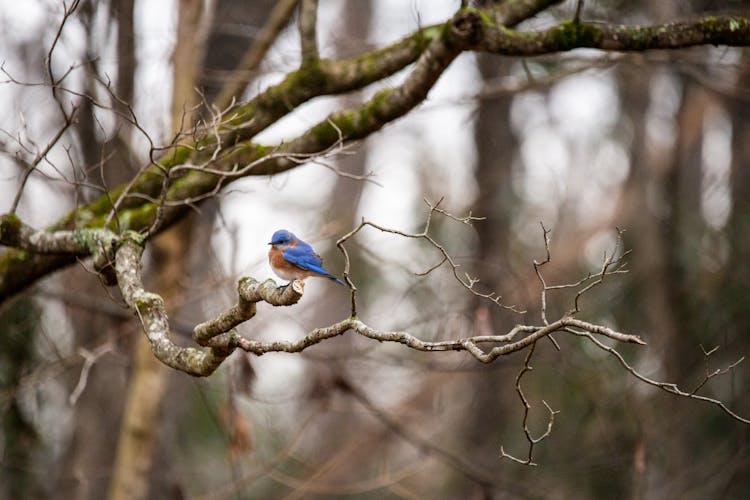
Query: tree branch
point(220, 339)
point(225, 145)
point(217, 333)
point(719, 30)
point(669, 387)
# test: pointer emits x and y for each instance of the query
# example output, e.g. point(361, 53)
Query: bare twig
point(464, 279)
point(611, 264)
point(89, 358)
point(713, 373)
point(54, 82)
point(469, 344)
point(68, 117)
point(665, 386)
point(42, 155)
point(220, 339)
point(529, 460)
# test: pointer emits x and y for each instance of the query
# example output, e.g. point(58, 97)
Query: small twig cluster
point(218, 337)
point(466, 280)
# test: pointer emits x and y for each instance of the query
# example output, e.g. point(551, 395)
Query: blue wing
point(302, 255)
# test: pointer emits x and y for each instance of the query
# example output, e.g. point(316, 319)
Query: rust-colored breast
point(283, 268)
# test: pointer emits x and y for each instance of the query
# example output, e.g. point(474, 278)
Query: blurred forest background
point(655, 143)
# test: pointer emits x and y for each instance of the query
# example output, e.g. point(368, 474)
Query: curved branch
point(225, 144)
point(219, 338)
point(719, 30)
point(150, 309)
point(469, 344)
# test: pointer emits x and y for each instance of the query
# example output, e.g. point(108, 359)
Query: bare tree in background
point(439, 405)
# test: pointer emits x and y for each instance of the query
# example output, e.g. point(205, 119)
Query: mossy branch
point(569, 35)
point(199, 165)
point(219, 338)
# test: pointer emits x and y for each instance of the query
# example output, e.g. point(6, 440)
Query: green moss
point(372, 111)
point(246, 153)
point(19, 255)
point(709, 24)
point(466, 27)
point(256, 150)
point(279, 99)
point(140, 305)
point(427, 35)
point(361, 122)
point(178, 155)
point(485, 17)
point(81, 217)
point(721, 28)
point(10, 227)
point(325, 134)
point(102, 205)
point(312, 77)
point(570, 34)
point(137, 218)
point(352, 124)
point(376, 103)
point(271, 101)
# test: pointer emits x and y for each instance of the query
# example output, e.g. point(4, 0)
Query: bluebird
point(293, 259)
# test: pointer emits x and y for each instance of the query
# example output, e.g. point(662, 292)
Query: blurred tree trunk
point(344, 462)
point(234, 26)
point(737, 268)
point(496, 146)
point(148, 382)
point(97, 412)
point(94, 146)
point(643, 201)
point(734, 290)
point(20, 320)
point(210, 45)
point(684, 229)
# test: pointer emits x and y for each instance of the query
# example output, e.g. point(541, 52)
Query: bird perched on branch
point(293, 259)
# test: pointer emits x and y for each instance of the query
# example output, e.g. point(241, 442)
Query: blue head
point(282, 237)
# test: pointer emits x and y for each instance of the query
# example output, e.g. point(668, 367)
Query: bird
point(294, 259)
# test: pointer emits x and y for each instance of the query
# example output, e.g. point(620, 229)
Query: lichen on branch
point(204, 159)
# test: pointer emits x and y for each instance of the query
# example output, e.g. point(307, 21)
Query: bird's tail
point(334, 278)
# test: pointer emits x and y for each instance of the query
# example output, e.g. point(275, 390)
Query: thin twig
point(665, 386)
point(529, 460)
point(89, 359)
